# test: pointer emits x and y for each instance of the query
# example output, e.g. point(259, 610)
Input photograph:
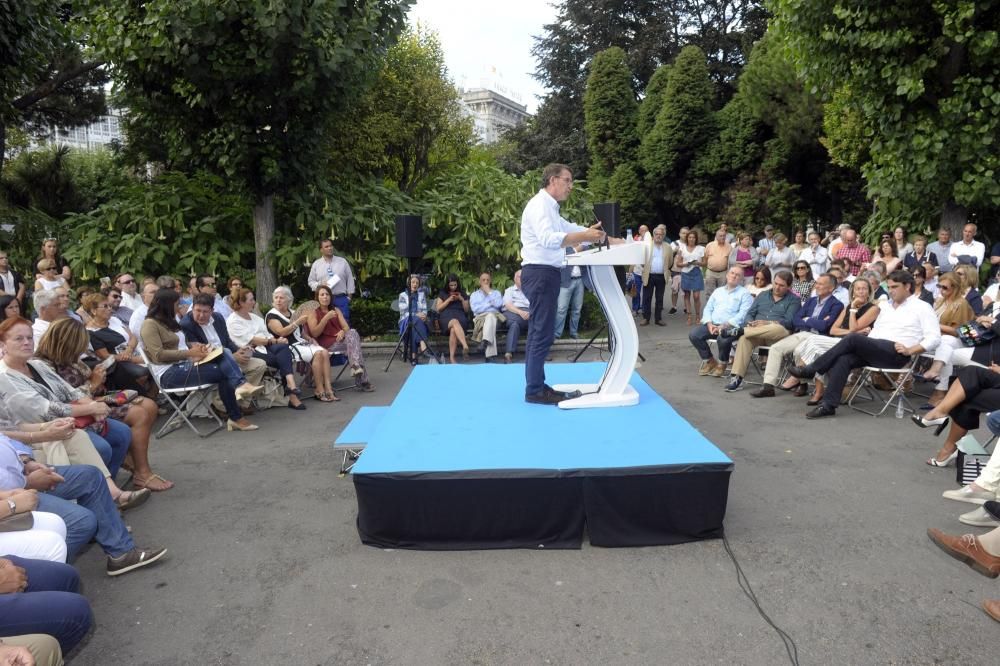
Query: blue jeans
point(344, 304)
point(515, 324)
point(571, 302)
point(418, 332)
point(93, 516)
point(541, 285)
point(993, 422)
point(113, 446)
point(699, 337)
point(49, 605)
point(222, 371)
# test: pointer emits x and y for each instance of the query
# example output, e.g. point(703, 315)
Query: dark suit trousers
point(854, 351)
point(657, 284)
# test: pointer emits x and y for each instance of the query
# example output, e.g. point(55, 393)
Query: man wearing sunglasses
point(130, 296)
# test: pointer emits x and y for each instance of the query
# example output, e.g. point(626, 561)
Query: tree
point(651, 33)
point(409, 125)
point(652, 100)
point(684, 126)
point(610, 111)
point(922, 79)
point(243, 88)
point(45, 78)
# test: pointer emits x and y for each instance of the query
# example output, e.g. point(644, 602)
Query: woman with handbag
point(35, 394)
point(975, 342)
point(60, 348)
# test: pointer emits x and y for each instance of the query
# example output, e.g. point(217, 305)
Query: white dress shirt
point(543, 231)
point(912, 322)
point(132, 301)
point(959, 249)
point(818, 260)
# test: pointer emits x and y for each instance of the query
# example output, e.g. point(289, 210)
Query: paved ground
point(827, 519)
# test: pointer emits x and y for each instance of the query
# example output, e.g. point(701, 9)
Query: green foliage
point(610, 109)
point(409, 124)
point(921, 78)
point(178, 225)
point(652, 100)
point(374, 316)
point(242, 88)
point(44, 78)
point(625, 187)
point(684, 125)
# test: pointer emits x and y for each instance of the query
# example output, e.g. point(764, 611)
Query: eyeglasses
point(802, 268)
point(944, 287)
point(127, 281)
point(565, 179)
point(209, 284)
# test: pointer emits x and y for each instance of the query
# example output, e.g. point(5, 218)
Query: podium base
point(592, 399)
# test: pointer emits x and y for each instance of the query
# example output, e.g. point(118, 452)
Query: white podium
point(614, 389)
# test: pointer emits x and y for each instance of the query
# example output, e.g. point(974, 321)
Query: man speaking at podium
point(544, 237)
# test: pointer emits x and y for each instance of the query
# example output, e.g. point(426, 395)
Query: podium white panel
point(614, 389)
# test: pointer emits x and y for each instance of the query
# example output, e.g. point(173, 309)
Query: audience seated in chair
point(485, 304)
point(905, 327)
point(109, 337)
point(248, 329)
point(515, 311)
point(331, 331)
point(178, 364)
point(768, 320)
point(452, 305)
point(724, 314)
point(412, 306)
point(815, 317)
point(304, 348)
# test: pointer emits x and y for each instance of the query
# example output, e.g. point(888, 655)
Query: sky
point(479, 37)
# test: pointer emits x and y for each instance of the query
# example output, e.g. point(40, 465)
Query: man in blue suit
point(815, 317)
point(202, 324)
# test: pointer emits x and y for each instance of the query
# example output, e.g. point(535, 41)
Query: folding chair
point(898, 378)
point(185, 401)
point(756, 365)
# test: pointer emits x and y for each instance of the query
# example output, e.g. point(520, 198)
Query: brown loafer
point(967, 548)
point(992, 608)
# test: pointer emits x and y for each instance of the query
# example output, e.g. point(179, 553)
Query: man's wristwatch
point(12, 505)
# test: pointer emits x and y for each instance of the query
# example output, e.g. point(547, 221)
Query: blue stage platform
point(459, 460)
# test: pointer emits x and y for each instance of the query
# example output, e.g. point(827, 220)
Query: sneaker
point(507, 358)
point(979, 517)
point(719, 370)
point(134, 559)
point(735, 384)
point(707, 367)
point(672, 311)
point(968, 494)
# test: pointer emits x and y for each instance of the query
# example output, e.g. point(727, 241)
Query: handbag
point(89, 422)
point(19, 522)
point(972, 333)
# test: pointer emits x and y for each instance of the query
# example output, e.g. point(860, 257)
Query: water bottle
point(628, 237)
point(899, 407)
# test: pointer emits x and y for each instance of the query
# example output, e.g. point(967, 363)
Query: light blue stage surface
point(450, 418)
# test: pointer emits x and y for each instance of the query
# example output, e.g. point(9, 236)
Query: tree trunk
point(953, 218)
point(3, 143)
point(263, 236)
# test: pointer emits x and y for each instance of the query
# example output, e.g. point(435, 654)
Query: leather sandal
point(154, 478)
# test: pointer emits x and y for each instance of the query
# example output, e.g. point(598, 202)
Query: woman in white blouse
point(781, 257)
point(690, 261)
point(280, 323)
point(246, 328)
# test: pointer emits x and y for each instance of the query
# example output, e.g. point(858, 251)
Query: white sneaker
point(978, 517)
point(969, 494)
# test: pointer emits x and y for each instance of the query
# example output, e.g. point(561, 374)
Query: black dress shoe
point(802, 390)
point(821, 411)
point(299, 407)
point(545, 398)
point(802, 372)
point(765, 391)
point(813, 403)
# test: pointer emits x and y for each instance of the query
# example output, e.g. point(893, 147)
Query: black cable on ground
point(744, 583)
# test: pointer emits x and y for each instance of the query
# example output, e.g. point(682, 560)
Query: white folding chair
point(898, 378)
point(185, 402)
